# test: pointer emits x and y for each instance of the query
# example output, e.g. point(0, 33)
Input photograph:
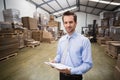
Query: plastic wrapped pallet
point(11, 15)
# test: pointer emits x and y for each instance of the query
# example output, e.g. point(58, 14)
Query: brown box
point(27, 34)
point(51, 18)
point(21, 40)
point(47, 34)
point(37, 35)
point(29, 23)
point(115, 49)
point(101, 40)
point(47, 37)
point(53, 24)
point(8, 46)
point(108, 44)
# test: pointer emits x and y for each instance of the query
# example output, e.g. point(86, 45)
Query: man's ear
point(76, 23)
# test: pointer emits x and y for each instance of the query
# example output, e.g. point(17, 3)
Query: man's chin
point(69, 31)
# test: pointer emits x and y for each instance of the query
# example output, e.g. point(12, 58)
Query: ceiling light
point(106, 2)
point(113, 3)
point(62, 11)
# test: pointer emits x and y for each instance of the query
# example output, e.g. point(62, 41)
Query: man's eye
point(71, 22)
point(65, 22)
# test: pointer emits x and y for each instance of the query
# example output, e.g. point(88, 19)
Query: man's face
point(69, 24)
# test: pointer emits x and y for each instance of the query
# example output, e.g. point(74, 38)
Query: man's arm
point(86, 58)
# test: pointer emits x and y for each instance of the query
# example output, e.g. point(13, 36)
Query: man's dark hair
point(68, 13)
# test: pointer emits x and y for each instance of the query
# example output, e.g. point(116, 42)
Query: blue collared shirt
point(78, 53)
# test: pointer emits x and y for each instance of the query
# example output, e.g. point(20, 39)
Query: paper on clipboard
point(57, 65)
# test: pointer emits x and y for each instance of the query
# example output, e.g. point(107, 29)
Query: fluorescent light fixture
point(106, 2)
point(62, 11)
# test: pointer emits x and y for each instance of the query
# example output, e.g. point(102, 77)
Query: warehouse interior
point(30, 31)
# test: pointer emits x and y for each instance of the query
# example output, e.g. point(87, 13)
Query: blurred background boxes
point(53, 23)
point(29, 23)
point(11, 15)
point(47, 37)
point(37, 35)
point(9, 44)
point(115, 49)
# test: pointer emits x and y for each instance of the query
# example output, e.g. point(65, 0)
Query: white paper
point(57, 65)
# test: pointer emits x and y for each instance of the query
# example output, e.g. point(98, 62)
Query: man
point(74, 50)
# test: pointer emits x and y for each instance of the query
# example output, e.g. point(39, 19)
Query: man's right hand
point(52, 61)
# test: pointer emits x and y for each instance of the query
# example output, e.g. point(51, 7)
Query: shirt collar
point(71, 36)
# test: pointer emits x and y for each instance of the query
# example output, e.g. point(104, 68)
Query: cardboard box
point(37, 35)
point(8, 46)
point(115, 49)
point(47, 37)
point(29, 23)
point(101, 40)
point(51, 18)
point(53, 24)
point(47, 34)
point(27, 34)
point(108, 44)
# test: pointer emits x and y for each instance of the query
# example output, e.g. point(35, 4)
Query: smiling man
point(74, 50)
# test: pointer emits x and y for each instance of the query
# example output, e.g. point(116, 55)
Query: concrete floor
point(29, 64)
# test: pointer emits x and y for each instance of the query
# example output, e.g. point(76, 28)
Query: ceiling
point(86, 6)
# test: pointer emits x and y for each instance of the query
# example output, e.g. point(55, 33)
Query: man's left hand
point(66, 71)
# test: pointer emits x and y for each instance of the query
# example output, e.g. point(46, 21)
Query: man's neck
point(71, 33)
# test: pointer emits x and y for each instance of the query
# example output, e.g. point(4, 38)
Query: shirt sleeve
point(58, 56)
point(86, 59)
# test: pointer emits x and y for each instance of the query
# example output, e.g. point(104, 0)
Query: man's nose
point(68, 24)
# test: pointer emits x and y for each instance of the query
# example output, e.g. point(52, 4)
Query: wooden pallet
point(8, 35)
point(33, 44)
point(114, 57)
point(7, 57)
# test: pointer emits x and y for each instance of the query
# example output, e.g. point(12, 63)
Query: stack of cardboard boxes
point(52, 22)
point(30, 23)
point(110, 25)
point(115, 33)
point(11, 15)
point(47, 36)
point(37, 35)
point(9, 42)
point(113, 48)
